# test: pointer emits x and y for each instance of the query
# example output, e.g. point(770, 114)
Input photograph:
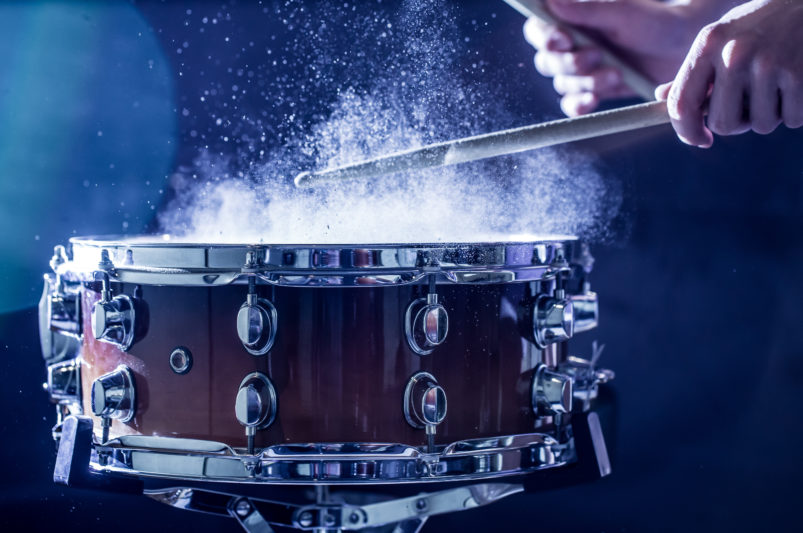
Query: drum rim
point(166, 262)
point(168, 242)
point(475, 459)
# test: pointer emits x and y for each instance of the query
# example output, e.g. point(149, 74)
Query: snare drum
point(361, 366)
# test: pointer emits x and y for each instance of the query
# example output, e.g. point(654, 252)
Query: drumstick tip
point(303, 180)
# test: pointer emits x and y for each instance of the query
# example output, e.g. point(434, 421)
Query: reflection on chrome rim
point(332, 464)
point(163, 262)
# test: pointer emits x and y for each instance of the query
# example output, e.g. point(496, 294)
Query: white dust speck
point(417, 95)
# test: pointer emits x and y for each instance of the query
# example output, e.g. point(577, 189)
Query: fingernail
point(560, 41)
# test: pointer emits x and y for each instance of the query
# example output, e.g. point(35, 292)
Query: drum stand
point(331, 512)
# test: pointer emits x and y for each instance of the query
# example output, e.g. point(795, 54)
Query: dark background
point(700, 314)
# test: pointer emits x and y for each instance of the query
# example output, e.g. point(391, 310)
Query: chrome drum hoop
point(331, 464)
point(156, 261)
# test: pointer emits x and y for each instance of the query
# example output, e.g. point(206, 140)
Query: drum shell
point(340, 363)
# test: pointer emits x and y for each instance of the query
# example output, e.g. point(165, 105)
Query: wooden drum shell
point(340, 363)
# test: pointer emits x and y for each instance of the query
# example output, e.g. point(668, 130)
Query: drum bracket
point(246, 513)
point(73, 459)
point(408, 514)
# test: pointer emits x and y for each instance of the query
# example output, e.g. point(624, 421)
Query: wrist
point(699, 13)
point(690, 16)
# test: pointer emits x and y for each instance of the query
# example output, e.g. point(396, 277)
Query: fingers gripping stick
point(631, 77)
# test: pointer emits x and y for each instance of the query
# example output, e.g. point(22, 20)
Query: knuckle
point(737, 56)
point(790, 79)
point(678, 105)
point(541, 64)
point(559, 83)
point(712, 36)
point(763, 65)
point(534, 31)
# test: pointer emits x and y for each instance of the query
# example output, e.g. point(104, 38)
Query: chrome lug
point(113, 321)
point(552, 392)
point(426, 324)
point(255, 406)
point(553, 320)
point(59, 319)
point(256, 323)
point(64, 381)
point(586, 311)
point(114, 395)
point(425, 405)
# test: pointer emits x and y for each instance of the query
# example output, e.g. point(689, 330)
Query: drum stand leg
point(248, 516)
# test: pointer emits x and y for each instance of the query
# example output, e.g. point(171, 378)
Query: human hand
point(746, 69)
point(652, 36)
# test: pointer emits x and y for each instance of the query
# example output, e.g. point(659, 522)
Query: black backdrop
point(700, 315)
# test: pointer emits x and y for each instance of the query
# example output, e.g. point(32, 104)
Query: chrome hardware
point(551, 392)
point(401, 515)
point(256, 322)
point(64, 381)
point(113, 321)
point(425, 404)
point(586, 376)
point(59, 313)
point(255, 406)
point(180, 360)
point(158, 260)
point(338, 463)
point(59, 257)
point(407, 513)
point(113, 395)
point(59, 319)
point(248, 516)
point(586, 311)
point(553, 319)
point(113, 317)
point(426, 324)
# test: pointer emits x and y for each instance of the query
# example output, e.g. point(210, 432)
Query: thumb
point(605, 15)
point(662, 91)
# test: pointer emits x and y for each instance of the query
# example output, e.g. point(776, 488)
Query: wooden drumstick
point(498, 143)
point(630, 76)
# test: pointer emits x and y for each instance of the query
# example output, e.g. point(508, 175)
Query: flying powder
point(403, 89)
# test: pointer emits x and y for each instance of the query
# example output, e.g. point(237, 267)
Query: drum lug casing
point(120, 320)
point(257, 325)
point(553, 319)
point(255, 405)
point(59, 313)
point(114, 395)
point(585, 310)
point(425, 405)
point(426, 324)
point(552, 392)
point(257, 317)
point(64, 381)
point(113, 321)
